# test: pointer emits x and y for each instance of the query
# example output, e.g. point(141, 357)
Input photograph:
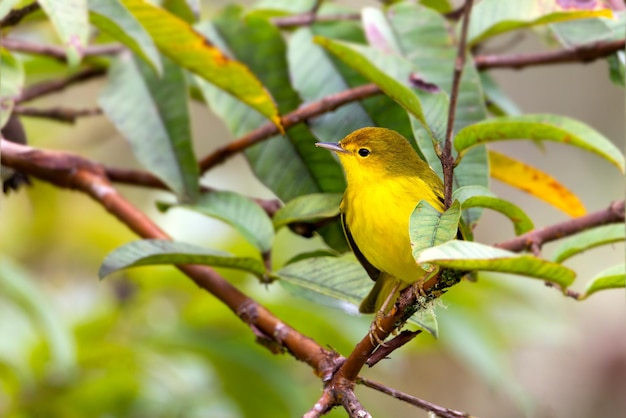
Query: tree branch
point(420, 403)
point(61, 114)
point(51, 86)
point(612, 214)
point(146, 179)
point(70, 171)
point(57, 52)
point(299, 115)
point(585, 54)
point(447, 161)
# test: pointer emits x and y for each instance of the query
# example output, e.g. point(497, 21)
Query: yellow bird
point(386, 179)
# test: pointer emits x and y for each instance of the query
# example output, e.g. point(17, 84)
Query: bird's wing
point(372, 271)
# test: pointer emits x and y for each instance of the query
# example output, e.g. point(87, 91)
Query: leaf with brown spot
point(534, 182)
point(177, 40)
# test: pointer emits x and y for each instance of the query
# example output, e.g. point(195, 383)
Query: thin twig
point(384, 350)
point(57, 52)
point(447, 161)
point(303, 113)
point(614, 213)
point(146, 179)
point(15, 16)
point(51, 86)
point(61, 114)
point(353, 406)
point(305, 19)
point(585, 54)
point(420, 403)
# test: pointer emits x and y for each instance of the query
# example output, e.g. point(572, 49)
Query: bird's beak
point(332, 146)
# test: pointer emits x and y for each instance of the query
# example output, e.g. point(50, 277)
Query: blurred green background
point(149, 343)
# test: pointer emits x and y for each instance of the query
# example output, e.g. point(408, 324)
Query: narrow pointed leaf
point(539, 127)
point(177, 40)
point(472, 256)
point(400, 93)
point(534, 182)
point(476, 196)
point(239, 212)
point(612, 278)
point(71, 22)
point(429, 227)
point(152, 113)
point(493, 17)
point(308, 208)
point(112, 17)
point(11, 83)
point(587, 240)
point(155, 252)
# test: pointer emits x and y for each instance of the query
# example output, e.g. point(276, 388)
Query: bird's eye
point(364, 152)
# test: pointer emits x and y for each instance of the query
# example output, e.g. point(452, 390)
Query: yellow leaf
point(177, 40)
point(535, 182)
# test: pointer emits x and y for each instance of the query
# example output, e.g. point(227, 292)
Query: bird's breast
point(378, 217)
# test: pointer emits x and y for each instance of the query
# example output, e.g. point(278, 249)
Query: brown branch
point(51, 86)
point(57, 52)
point(447, 161)
point(61, 114)
point(585, 54)
point(420, 403)
point(299, 115)
point(384, 350)
point(306, 19)
point(146, 179)
point(612, 214)
point(70, 171)
point(15, 16)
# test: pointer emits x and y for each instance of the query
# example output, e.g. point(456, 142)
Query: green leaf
point(112, 17)
point(477, 196)
point(498, 102)
point(589, 31)
point(248, 218)
point(587, 240)
point(71, 22)
point(340, 283)
point(472, 256)
point(177, 40)
point(308, 208)
point(11, 83)
point(187, 10)
point(154, 252)
point(493, 17)
point(338, 278)
point(611, 278)
point(539, 127)
point(152, 113)
point(429, 227)
point(280, 159)
point(352, 55)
